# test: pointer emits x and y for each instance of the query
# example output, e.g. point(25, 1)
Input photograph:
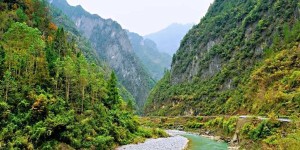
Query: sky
point(147, 16)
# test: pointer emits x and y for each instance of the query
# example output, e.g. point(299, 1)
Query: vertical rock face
point(217, 56)
point(221, 35)
point(112, 45)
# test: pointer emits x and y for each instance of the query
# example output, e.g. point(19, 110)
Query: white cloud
point(147, 16)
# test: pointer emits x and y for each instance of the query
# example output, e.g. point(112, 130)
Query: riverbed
point(178, 140)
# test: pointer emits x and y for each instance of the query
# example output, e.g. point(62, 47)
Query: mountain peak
point(168, 39)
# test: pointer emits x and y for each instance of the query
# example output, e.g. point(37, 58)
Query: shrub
point(199, 118)
point(229, 125)
point(194, 125)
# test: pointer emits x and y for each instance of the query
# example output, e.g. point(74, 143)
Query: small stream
point(201, 143)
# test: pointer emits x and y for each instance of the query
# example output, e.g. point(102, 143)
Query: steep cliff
point(146, 50)
point(217, 57)
point(112, 45)
point(63, 21)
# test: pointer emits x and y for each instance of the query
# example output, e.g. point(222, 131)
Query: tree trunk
point(67, 90)
point(93, 98)
point(56, 84)
point(6, 92)
point(82, 93)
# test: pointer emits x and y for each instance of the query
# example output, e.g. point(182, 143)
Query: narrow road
point(242, 117)
point(264, 118)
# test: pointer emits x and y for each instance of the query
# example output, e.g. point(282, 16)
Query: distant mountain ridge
point(168, 39)
point(112, 45)
point(154, 60)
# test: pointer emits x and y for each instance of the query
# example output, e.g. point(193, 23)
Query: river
point(197, 142)
point(178, 140)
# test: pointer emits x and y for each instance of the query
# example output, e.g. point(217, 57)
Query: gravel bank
point(175, 142)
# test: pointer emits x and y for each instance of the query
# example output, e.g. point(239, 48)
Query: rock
point(235, 138)
point(207, 132)
point(217, 138)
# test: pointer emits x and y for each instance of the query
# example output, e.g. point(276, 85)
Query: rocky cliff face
point(146, 50)
point(226, 33)
point(217, 56)
point(112, 45)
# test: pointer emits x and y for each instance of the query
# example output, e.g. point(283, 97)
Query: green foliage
point(152, 132)
point(199, 118)
point(113, 94)
point(194, 125)
point(212, 72)
point(51, 95)
point(228, 125)
point(291, 142)
point(266, 130)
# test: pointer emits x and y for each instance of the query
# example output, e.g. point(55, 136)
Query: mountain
point(146, 50)
point(242, 58)
point(168, 39)
point(62, 21)
point(112, 45)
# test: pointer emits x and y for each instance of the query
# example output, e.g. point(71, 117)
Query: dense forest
point(51, 95)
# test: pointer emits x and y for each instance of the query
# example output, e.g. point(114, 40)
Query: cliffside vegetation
point(242, 58)
point(112, 45)
point(51, 95)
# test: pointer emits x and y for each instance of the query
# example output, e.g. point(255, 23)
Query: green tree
point(113, 93)
point(8, 85)
point(69, 73)
point(82, 78)
point(24, 53)
point(97, 84)
point(60, 42)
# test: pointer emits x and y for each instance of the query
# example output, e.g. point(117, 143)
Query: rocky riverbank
point(174, 142)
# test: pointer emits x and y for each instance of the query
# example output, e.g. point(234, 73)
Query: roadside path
point(264, 118)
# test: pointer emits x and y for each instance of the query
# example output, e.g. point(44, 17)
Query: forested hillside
point(53, 93)
point(61, 20)
point(242, 58)
point(113, 46)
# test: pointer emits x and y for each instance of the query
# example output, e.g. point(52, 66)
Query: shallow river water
point(201, 143)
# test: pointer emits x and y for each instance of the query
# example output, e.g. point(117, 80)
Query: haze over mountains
point(137, 62)
point(154, 60)
point(168, 39)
